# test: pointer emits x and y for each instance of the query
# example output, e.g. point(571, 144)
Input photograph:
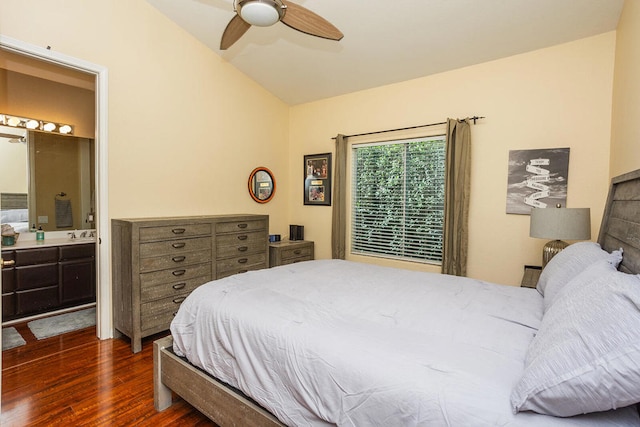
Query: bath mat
point(62, 323)
point(11, 338)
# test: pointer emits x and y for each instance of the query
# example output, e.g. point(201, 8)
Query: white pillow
point(586, 354)
point(568, 264)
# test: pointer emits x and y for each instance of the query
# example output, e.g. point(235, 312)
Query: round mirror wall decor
point(262, 185)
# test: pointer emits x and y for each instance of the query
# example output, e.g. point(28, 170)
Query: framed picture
point(537, 179)
point(317, 179)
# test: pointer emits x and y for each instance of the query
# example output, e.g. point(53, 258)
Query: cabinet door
point(8, 293)
point(8, 274)
point(35, 301)
point(36, 276)
point(77, 281)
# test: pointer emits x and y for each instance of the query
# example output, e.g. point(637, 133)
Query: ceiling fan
point(263, 13)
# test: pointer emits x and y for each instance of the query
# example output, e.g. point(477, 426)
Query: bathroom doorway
point(27, 62)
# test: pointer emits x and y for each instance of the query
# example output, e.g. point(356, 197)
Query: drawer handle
point(243, 237)
point(242, 261)
point(179, 286)
point(178, 230)
point(179, 258)
point(242, 271)
point(243, 248)
point(242, 225)
point(179, 300)
point(175, 313)
point(178, 272)
point(297, 251)
point(178, 245)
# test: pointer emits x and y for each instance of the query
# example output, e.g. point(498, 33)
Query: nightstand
point(531, 276)
point(288, 252)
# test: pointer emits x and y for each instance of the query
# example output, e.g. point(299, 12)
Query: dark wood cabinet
point(8, 285)
point(47, 279)
point(77, 274)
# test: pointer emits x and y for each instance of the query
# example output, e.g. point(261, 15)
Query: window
point(398, 199)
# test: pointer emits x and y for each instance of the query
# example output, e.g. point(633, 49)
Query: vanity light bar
point(35, 124)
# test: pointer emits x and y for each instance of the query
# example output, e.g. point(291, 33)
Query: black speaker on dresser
point(296, 232)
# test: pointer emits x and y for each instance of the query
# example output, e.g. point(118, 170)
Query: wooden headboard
point(13, 201)
point(621, 221)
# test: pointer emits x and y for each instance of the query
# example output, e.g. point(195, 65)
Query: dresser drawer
point(173, 289)
point(174, 246)
point(240, 270)
point(175, 274)
point(240, 264)
point(294, 260)
point(237, 244)
point(157, 315)
point(240, 226)
point(288, 252)
point(293, 253)
point(175, 231)
point(174, 260)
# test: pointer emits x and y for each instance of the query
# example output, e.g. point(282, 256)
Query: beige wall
point(37, 98)
point(13, 166)
point(625, 132)
point(185, 128)
point(555, 97)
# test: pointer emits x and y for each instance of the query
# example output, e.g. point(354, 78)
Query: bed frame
point(621, 221)
point(229, 407)
point(221, 403)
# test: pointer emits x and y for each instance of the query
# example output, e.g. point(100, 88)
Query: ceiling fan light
point(261, 13)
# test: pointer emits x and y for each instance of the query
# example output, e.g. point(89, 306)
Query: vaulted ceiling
point(389, 41)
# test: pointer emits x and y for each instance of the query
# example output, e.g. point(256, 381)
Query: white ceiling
point(388, 41)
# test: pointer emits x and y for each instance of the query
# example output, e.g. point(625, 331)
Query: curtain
point(339, 213)
point(456, 197)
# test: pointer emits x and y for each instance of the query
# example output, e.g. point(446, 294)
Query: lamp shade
point(561, 223)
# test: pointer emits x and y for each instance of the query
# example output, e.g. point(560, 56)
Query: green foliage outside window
point(398, 199)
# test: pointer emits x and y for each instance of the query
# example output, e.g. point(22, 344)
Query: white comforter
point(337, 342)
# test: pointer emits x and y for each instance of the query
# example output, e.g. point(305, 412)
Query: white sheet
point(16, 218)
point(336, 342)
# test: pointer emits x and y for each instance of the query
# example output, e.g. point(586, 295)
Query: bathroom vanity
point(47, 275)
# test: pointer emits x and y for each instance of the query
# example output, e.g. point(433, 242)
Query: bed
point(14, 211)
point(329, 342)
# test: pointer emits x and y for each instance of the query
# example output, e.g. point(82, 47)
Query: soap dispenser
point(33, 229)
point(40, 234)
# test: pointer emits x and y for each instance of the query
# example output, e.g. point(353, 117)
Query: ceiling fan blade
point(235, 29)
point(302, 19)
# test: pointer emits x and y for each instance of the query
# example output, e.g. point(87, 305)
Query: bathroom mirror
point(54, 174)
point(262, 185)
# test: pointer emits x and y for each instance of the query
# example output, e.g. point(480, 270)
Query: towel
point(64, 218)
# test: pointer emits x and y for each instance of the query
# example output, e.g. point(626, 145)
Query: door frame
point(104, 318)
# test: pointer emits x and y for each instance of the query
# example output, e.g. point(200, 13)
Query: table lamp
point(559, 223)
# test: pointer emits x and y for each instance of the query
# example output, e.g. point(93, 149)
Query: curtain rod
point(474, 118)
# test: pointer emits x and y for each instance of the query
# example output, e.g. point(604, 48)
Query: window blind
point(398, 199)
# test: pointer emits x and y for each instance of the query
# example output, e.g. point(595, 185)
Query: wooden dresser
point(157, 262)
point(288, 252)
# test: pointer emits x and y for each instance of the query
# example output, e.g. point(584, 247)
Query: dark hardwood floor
point(76, 380)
